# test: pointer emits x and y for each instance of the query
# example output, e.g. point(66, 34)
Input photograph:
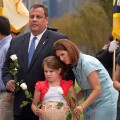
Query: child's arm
point(72, 89)
point(36, 99)
point(96, 91)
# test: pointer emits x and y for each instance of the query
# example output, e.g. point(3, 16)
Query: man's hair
point(4, 26)
point(40, 6)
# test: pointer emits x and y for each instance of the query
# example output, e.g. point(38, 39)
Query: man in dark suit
point(30, 72)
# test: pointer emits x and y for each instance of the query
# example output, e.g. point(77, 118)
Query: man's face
point(37, 20)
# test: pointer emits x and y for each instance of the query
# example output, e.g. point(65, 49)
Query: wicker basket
point(51, 112)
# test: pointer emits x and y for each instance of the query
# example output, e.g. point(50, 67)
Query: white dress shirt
point(37, 40)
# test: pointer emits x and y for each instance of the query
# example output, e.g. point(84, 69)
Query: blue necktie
point(31, 50)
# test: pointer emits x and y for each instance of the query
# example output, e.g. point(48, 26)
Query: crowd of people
point(49, 64)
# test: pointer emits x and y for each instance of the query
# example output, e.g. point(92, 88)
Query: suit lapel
point(25, 50)
point(40, 46)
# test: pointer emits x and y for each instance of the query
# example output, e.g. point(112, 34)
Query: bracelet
point(82, 107)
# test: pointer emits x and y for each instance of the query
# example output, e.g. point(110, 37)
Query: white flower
point(15, 69)
point(13, 57)
point(60, 91)
point(23, 86)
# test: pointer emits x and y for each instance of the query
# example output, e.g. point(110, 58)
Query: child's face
point(51, 74)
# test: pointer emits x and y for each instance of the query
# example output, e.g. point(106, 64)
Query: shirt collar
point(5, 40)
point(38, 36)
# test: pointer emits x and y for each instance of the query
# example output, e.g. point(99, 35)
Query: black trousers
point(26, 114)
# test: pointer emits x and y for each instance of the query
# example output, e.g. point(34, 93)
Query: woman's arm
point(116, 78)
point(95, 84)
point(96, 90)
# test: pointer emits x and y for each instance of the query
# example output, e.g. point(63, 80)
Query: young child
point(51, 91)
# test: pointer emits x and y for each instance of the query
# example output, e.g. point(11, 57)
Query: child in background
point(49, 92)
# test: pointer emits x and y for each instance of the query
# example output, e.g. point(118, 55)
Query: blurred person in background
point(14, 34)
point(6, 106)
point(116, 83)
point(105, 56)
point(53, 29)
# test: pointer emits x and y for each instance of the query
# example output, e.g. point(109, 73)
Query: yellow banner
point(17, 14)
point(116, 20)
point(1, 10)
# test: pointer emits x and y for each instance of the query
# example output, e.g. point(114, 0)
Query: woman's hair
point(53, 63)
point(70, 47)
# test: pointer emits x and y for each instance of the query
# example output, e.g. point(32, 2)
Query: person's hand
point(75, 118)
point(38, 112)
point(113, 46)
point(10, 85)
point(10, 97)
point(105, 47)
point(116, 85)
point(77, 111)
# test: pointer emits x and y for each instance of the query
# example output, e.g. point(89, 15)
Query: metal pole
point(114, 57)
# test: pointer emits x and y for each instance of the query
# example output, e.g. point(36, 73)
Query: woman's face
point(64, 56)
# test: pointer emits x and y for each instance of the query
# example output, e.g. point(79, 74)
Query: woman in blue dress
point(100, 97)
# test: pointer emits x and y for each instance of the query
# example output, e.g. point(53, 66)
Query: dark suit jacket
point(106, 58)
point(34, 73)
